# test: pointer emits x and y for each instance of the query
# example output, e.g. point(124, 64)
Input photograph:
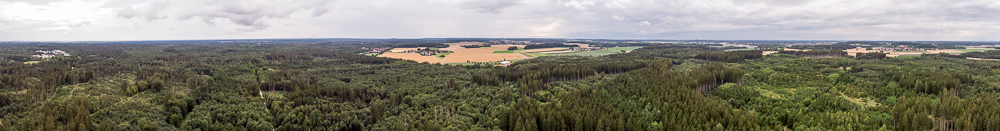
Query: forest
point(328, 86)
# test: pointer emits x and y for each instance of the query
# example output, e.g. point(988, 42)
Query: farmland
point(413, 56)
point(609, 51)
point(496, 53)
point(480, 55)
point(976, 50)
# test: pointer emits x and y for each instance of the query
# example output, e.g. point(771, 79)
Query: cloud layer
point(646, 19)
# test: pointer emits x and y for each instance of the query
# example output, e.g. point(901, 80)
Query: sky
point(111, 20)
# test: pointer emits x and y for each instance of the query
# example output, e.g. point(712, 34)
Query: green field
point(907, 56)
point(974, 50)
point(612, 50)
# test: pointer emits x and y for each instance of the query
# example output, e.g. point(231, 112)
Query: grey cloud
point(24, 25)
point(122, 3)
point(75, 25)
point(489, 6)
point(251, 13)
point(127, 13)
point(667, 17)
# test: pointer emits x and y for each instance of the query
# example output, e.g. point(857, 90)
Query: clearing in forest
point(612, 50)
point(414, 57)
point(544, 50)
point(462, 54)
point(480, 55)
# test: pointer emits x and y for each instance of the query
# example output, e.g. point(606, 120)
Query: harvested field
point(544, 50)
point(480, 55)
point(404, 49)
point(612, 50)
point(452, 47)
point(466, 43)
point(980, 59)
point(853, 52)
point(550, 52)
point(414, 57)
point(787, 49)
point(770, 52)
point(503, 47)
point(950, 51)
point(462, 54)
point(578, 44)
point(975, 49)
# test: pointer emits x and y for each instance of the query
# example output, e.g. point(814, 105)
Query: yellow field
point(403, 49)
point(502, 47)
point(770, 52)
point(466, 43)
point(543, 50)
point(413, 56)
point(462, 54)
point(578, 44)
point(565, 51)
point(480, 55)
point(853, 52)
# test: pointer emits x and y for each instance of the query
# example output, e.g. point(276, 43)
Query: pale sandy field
point(463, 55)
point(413, 56)
point(543, 50)
point(502, 47)
point(770, 52)
point(981, 59)
point(403, 49)
point(466, 43)
point(578, 44)
point(565, 51)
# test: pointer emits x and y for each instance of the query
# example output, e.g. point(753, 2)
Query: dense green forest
point(329, 86)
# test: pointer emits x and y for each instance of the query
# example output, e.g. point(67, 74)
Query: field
point(413, 56)
point(462, 55)
point(403, 49)
point(544, 50)
point(480, 55)
point(578, 44)
point(441, 55)
point(609, 51)
point(508, 51)
point(500, 53)
point(853, 52)
point(975, 50)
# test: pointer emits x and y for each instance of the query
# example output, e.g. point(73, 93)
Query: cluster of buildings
point(52, 53)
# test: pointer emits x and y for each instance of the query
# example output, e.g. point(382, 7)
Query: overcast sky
point(58, 20)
